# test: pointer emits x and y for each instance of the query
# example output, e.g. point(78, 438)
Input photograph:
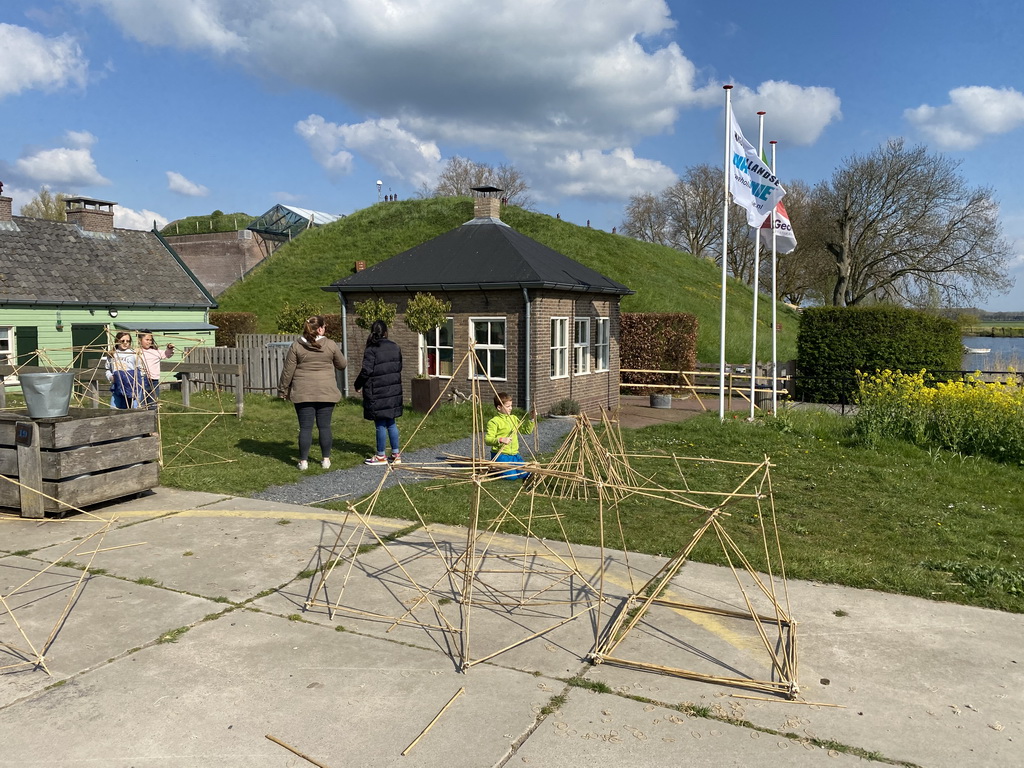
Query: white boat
point(977, 351)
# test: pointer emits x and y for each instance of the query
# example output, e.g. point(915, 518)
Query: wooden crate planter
point(90, 456)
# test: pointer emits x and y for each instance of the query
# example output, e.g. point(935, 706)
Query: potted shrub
point(565, 409)
point(423, 314)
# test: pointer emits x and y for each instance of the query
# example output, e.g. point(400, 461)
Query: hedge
point(657, 341)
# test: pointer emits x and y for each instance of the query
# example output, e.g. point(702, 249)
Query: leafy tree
point(46, 206)
point(460, 175)
point(293, 319)
point(371, 310)
point(901, 225)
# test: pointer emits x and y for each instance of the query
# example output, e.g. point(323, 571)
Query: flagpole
point(725, 250)
point(757, 279)
point(775, 301)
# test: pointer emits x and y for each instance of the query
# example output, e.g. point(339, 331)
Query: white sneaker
point(303, 466)
point(326, 463)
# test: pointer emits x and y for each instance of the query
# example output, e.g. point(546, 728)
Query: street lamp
point(379, 185)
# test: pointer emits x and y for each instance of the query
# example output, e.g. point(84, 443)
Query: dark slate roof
point(482, 254)
point(54, 262)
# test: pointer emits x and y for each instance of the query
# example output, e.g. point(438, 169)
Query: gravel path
point(358, 481)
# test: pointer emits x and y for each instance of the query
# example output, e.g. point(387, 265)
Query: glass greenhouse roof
point(287, 221)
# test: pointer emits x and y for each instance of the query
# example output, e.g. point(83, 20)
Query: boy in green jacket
point(502, 435)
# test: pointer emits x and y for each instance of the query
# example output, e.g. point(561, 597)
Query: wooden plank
point(58, 465)
point(105, 486)
point(90, 489)
point(30, 471)
point(97, 426)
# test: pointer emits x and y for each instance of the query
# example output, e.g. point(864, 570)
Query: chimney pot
point(89, 215)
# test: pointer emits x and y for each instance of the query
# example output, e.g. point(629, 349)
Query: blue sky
point(178, 107)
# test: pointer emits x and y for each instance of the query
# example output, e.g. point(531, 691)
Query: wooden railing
point(707, 382)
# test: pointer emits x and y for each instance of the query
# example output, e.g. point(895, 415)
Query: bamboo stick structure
point(22, 648)
point(479, 579)
point(484, 577)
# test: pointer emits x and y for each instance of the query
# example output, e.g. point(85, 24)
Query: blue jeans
point(387, 430)
point(151, 392)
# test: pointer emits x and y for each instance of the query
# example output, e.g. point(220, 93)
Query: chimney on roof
point(5, 205)
point(486, 203)
point(90, 215)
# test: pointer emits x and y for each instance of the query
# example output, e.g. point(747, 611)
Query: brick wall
point(590, 390)
point(218, 259)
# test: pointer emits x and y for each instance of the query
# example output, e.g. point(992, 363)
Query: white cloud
point(29, 60)
point(540, 82)
point(80, 139)
point(127, 218)
point(178, 183)
point(184, 23)
point(61, 167)
point(394, 151)
point(612, 176)
point(972, 114)
point(794, 114)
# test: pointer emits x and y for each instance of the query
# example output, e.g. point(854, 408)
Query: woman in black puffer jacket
point(381, 382)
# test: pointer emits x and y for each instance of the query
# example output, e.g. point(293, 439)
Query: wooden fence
point(261, 367)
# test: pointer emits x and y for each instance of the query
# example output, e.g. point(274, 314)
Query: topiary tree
point(424, 313)
point(372, 310)
point(293, 319)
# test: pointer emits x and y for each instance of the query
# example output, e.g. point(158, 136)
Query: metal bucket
point(47, 395)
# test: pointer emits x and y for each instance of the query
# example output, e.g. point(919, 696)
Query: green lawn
point(894, 518)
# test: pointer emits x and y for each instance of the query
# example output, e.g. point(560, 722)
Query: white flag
point(751, 184)
point(785, 237)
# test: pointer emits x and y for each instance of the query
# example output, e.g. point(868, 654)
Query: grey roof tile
point(55, 262)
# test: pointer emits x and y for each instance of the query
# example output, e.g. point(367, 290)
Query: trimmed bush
point(659, 342)
point(835, 343)
point(230, 324)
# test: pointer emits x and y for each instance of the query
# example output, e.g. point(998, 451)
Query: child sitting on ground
point(502, 436)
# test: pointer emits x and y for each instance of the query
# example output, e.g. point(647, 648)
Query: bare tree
point(46, 206)
point(693, 206)
point(806, 272)
point(646, 219)
point(902, 225)
point(461, 174)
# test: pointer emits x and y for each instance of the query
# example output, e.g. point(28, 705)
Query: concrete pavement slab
point(607, 730)
point(212, 554)
point(210, 698)
point(109, 617)
point(935, 684)
point(419, 578)
point(20, 534)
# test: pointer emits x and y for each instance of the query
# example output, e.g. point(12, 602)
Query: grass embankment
point(893, 517)
point(214, 222)
point(665, 280)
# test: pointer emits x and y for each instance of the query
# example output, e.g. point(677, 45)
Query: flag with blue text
point(752, 185)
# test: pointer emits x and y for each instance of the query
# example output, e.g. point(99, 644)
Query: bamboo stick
point(436, 718)
point(293, 750)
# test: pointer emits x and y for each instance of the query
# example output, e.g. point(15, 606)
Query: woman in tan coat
point(308, 381)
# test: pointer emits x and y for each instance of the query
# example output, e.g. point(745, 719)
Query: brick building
point(545, 327)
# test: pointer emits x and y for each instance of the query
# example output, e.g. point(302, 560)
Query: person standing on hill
point(381, 381)
point(309, 382)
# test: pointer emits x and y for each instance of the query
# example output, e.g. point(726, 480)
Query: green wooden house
point(67, 287)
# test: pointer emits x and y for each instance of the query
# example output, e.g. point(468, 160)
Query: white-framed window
point(6, 343)
point(489, 355)
point(559, 347)
point(602, 344)
point(581, 345)
point(439, 345)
